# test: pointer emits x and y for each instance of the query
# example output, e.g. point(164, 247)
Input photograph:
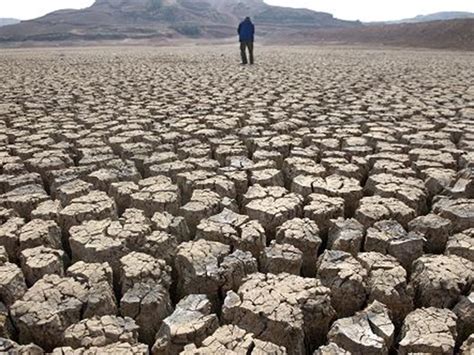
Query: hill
point(450, 34)
point(138, 19)
point(172, 20)
point(8, 21)
point(438, 16)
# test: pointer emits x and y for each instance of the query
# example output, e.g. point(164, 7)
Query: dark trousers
point(243, 54)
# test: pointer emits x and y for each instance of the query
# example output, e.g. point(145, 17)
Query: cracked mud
point(168, 201)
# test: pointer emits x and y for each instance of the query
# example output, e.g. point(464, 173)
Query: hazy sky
point(378, 10)
point(365, 10)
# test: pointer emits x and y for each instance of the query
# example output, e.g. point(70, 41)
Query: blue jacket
point(246, 31)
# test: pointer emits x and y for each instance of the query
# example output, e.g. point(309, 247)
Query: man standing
point(246, 33)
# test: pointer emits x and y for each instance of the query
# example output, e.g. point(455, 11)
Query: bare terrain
point(165, 20)
point(457, 34)
point(172, 22)
point(170, 201)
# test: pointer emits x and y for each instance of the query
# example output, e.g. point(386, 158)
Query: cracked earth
point(169, 201)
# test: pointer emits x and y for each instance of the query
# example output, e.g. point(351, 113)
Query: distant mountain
point(8, 21)
point(138, 19)
point(169, 20)
point(438, 16)
point(449, 34)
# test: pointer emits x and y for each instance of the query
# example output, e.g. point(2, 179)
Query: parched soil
point(170, 201)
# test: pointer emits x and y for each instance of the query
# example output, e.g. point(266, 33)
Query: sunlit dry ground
point(169, 200)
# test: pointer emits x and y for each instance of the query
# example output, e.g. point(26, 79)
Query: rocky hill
point(172, 20)
point(438, 16)
point(452, 34)
point(119, 19)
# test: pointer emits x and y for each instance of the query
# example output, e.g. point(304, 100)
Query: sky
point(364, 10)
point(378, 10)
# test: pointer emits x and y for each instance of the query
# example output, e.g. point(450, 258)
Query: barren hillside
point(453, 34)
point(138, 19)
